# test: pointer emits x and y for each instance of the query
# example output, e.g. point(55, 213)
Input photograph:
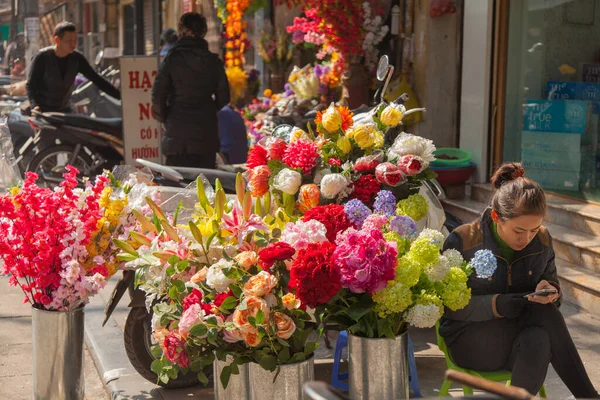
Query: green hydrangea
point(402, 243)
point(395, 298)
point(415, 206)
point(455, 293)
point(408, 271)
point(423, 252)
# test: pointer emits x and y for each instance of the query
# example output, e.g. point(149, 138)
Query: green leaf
point(164, 378)
point(156, 352)
point(182, 265)
point(197, 365)
point(173, 260)
point(170, 271)
point(156, 366)
point(201, 192)
point(202, 378)
point(237, 292)
point(179, 285)
point(297, 358)
point(260, 317)
point(357, 313)
point(310, 347)
point(210, 239)
point(229, 303)
point(234, 369)
point(225, 375)
point(282, 342)
point(427, 175)
point(268, 362)
point(252, 321)
point(172, 372)
point(212, 320)
point(284, 355)
point(199, 330)
point(221, 354)
point(174, 293)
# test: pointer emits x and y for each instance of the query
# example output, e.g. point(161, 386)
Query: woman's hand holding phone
point(551, 298)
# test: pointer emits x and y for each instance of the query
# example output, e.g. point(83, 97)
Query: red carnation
point(256, 157)
point(365, 189)
point(332, 216)
point(313, 275)
point(193, 298)
point(220, 298)
point(175, 351)
point(275, 252)
point(301, 154)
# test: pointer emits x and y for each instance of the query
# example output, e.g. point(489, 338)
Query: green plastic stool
point(496, 376)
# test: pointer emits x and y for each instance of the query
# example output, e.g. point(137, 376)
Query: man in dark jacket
point(54, 69)
point(189, 90)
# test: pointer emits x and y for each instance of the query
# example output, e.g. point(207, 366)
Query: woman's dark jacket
point(530, 266)
point(189, 90)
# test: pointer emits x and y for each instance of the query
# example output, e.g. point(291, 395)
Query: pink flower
point(411, 165)
point(300, 234)
point(375, 221)
point(191, 317)
point(365, 260)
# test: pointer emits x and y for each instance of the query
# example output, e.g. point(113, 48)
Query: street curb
point(106, 347)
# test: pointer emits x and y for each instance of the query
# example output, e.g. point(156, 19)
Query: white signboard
point(141, 132)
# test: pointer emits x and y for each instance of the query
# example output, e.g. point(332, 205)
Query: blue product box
point(565, 116)
point(551, 141)
point(549, 160)
point(588, 91)
point(564, 180)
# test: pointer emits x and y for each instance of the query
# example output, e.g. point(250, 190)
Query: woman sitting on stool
point(500, 329)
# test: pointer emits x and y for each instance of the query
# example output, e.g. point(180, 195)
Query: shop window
point(553, 94)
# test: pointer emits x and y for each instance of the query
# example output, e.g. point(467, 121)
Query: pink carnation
point(301, 234)
point(301, 154)
point(366, 261)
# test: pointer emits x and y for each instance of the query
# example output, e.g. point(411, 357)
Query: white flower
point(320, 174)
point(288, 181)
point(455, 259)
point(406, 144)
point(300, 234)
point(432, 236)
point(216, 279)
point(424, 315)
point(437, 271)
point(332, 185)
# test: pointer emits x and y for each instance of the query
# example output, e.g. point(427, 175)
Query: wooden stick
point(510, 392)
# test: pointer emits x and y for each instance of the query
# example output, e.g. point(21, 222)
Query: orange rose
point(253, 305)
point(252, 339)
point(261, 284)
point(308, 197)
point(290, 301)
point(199, 276)
point(285, 325)
point(247, 259)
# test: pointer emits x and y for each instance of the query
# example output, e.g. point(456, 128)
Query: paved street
point(124, 383)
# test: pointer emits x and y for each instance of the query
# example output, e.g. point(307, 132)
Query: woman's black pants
point(526, 346)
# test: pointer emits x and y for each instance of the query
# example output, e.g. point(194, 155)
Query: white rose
point(332, 185)
point(406, 144)
point(320, 174)
point(288, 181)
point(216, 279)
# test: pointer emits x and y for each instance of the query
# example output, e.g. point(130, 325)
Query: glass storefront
point(553, 94)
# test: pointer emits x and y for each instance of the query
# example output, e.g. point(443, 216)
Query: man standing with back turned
point(54, 69)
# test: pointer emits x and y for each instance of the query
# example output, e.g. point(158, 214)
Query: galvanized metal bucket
point(288, 385)
point(378, 368)
point(239, 385)
point(58, 354)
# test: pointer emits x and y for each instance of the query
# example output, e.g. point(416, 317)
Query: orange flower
point(260, 284)
point(200, 276)
point(285, 325)
point(259, 180)
point(308, 197)
point(253, 305)
point(252, 339)
point(346, 117)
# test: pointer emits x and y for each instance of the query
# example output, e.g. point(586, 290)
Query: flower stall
point(327, 230)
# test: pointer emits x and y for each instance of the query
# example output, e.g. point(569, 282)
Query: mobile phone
point(543, 293)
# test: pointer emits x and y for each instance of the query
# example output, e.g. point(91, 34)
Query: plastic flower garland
point(218, 286)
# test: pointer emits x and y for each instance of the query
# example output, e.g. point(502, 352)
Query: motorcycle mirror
point(99, 57)
point(383, 67)
point(283, 132)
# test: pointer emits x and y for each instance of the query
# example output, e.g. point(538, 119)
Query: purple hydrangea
point(404, 226)
point(357, 212)
point(385, 203)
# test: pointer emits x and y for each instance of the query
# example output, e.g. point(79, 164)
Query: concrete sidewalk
point(16, 350)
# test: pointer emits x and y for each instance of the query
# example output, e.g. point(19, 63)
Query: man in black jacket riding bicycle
point(54, 69)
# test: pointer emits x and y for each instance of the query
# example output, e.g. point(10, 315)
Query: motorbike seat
point(114, 126)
